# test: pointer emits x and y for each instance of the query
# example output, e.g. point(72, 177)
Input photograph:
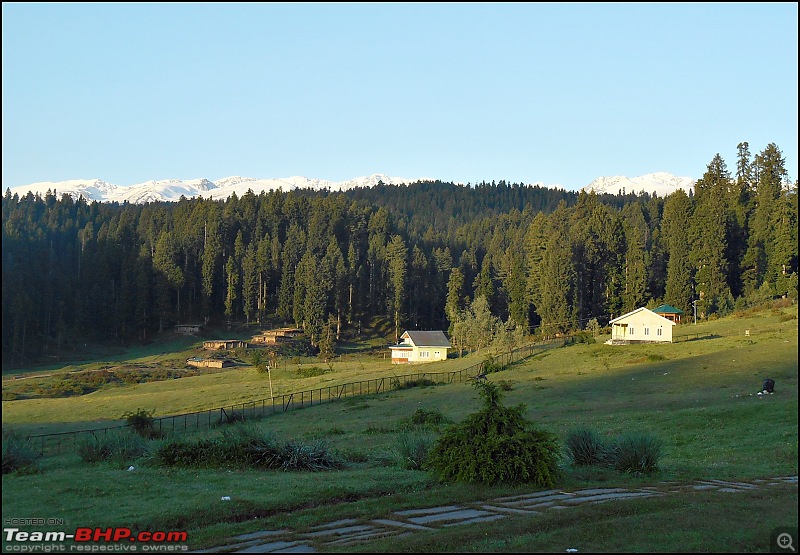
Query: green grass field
point(700, 397)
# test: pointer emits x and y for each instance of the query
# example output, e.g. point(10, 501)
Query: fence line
point(61, 442)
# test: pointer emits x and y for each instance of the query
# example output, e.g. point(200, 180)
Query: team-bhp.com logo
point(93, 539)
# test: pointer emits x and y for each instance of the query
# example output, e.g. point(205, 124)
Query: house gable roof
point(642, 309)
point(427, 338)
point(667, 309)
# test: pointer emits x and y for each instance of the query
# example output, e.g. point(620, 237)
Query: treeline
point(425, 256)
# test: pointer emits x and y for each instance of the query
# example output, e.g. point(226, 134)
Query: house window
point(658, 331)
point(631, 329)
point(424, 354)
point(647, 331)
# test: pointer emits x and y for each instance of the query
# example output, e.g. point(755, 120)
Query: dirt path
point(402, 523)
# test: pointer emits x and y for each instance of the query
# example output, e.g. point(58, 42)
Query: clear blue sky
point(553, 93)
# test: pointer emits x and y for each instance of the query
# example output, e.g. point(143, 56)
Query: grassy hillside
point(700, 397)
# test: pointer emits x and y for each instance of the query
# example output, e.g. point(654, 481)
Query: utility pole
point(694, 304)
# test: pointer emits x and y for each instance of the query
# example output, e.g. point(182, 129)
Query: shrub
point(634, 453)
point(505, 385)
point(141, 422)
point(314, 456)
point(411, 449)
point(115, 446)
point(395, 383)
point(584, 447)
point(422, 417)
point(244, 446)
point(311, 372)
point(496, 445)
point(19, 454)
point(490, 364)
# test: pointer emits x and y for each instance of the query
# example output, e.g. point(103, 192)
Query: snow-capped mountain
point(170, 190)
point(661, 183)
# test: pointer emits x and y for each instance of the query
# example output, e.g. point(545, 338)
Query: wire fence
point(63, 442)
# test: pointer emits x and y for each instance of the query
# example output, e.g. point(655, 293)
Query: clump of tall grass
point(246, 446)
point(118, 446)
point(19, 454)
point(632, 452)
point(635, 453)
point(584, 447)
point(411, 449)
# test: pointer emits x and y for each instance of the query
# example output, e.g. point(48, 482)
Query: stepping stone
point(617, 496)
point(453, 515)
point(339, 531)
point(271, 547)
point(336, 524)
point(597, 491)
point(529, 496)
point(260, 534)
point(476, 520)
point(534, 501)
point(509, 510)
point(361, 537)
point(398, 524)
point(432, 510)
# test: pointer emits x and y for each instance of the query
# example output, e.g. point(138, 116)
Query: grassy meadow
point(700, 397)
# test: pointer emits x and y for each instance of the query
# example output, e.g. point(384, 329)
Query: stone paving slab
point(398, 524)
point(529, 495)
point(259, 535)
point(453, 515)
point(271, 547)
point(336, 524)
point(599, 491)
point(475, 520)
point(349, 531)
point(509, 510)
point(432, 510)
point(338, 531)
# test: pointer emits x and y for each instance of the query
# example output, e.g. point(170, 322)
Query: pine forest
point(430, 255)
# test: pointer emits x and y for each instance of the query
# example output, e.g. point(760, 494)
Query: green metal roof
point(667, 309)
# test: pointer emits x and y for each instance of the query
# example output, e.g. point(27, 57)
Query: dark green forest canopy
point(417, 255)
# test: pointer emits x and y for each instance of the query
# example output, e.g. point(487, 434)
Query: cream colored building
point(420, 347)
point(640, 326)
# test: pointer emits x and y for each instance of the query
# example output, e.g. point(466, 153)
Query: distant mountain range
point(171, 190)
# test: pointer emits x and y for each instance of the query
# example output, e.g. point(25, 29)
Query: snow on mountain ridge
point(171, 190)
point(660, 183)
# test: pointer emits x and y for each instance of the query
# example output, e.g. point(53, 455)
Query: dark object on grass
point(769, 385)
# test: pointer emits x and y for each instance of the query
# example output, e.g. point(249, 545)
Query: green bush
point(496, 444)
point(411, 449)
point(584, 447)
point(141, 422)
point(19, 454)
point(636, 453)
point(395, 383)
point(120, 446)
point(313, 456)
point(422, 417)
point(244, 446)
point(311, 372)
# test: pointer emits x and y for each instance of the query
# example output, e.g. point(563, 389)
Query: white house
point(641, 326)
point(420, 347)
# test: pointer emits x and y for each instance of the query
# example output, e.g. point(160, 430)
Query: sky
point(552, 93)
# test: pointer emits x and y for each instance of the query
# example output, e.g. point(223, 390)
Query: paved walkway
point(402, 523)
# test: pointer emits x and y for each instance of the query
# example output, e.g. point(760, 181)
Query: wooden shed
point(223, 344)
point(209, 362)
